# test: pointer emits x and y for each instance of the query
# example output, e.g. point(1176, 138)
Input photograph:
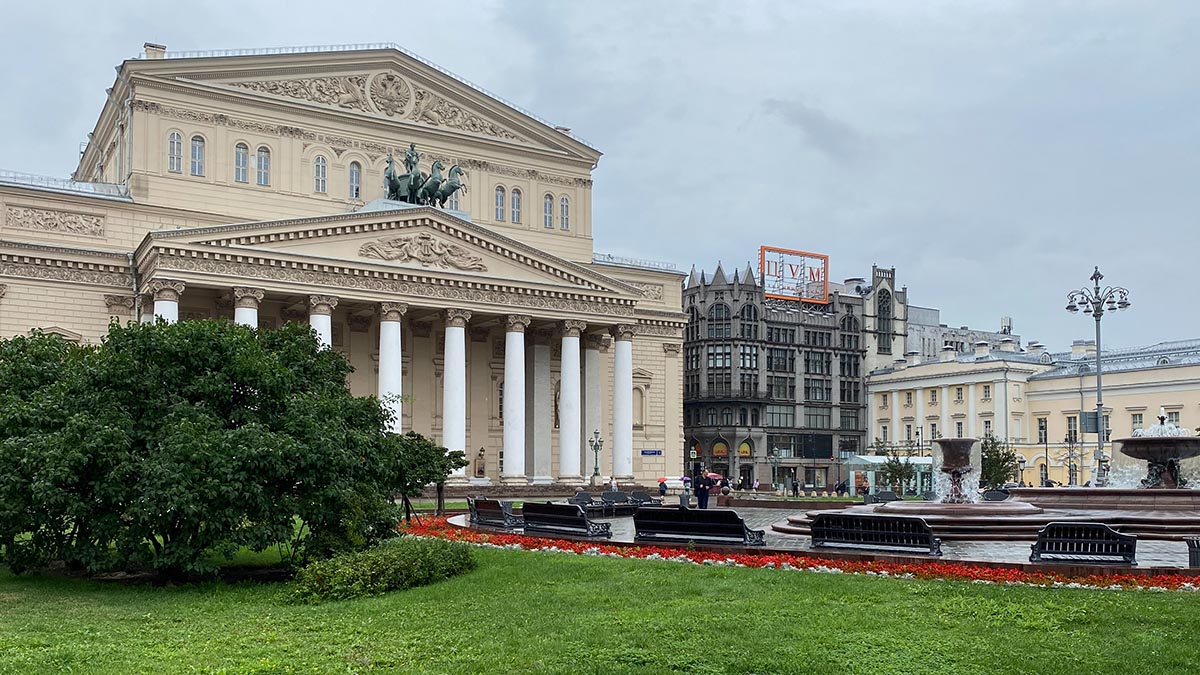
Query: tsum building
point(249, 186)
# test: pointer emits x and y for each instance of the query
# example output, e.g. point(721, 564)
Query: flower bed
point(934, 569)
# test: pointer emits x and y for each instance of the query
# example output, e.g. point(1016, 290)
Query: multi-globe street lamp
point(773, 458)
point(1021, 466)
point(596, 443)
point(1095, 301)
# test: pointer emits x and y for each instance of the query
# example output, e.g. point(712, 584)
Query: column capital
point(457, 318)
point(166, 289)
point(392, 311)
point(624, 331)
point(113, 302)
point(573, 328)
point(322, 304)
point(246, 297)
point(672, 348)
point(517, 323)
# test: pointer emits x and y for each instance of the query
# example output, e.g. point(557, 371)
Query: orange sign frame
point(787, 275)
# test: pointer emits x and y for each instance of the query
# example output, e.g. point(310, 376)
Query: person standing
point(703, 485)
point(613, 484)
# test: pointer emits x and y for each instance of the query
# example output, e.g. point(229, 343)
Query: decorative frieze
point(662, 330)
point(435, 110)
point(49, 220)
point(425, 249)
point(343, 91)
point(391, 94)
point(651, 291)
point(166, 290)
point(392, 311)
point(322, 304)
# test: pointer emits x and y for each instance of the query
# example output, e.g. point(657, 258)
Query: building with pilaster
point(249, 186)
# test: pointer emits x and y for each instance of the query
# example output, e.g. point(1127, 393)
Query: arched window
point(197, 156)
point(175, 152)
point(727, 416)
point(711, 417)
point(241, 163)
point(319, 174)
point(639, 407)
point(564, 213)
point(548, 212)
point(883, 322)
point(749, 322)
point(500, 204)
point(719, 325)
point(742, 418)
point(355, 180)
point(516, 205)
point(754, 417)
point(264, 165)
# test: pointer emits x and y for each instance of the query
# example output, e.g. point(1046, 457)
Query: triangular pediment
point(423, 241)
point(387, 84)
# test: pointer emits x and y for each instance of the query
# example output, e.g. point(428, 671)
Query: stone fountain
point(1163, 446)
point(956, 463)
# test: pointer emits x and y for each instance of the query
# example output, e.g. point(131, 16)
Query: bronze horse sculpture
point(417, 187)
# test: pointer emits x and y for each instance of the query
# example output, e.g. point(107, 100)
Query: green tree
point(898, 470)
point(170, 441)
point(999, 461)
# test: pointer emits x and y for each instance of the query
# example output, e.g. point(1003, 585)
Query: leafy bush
point(170, 441)
point(393, 565)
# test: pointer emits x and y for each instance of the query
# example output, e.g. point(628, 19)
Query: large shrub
point(392, 565)
point(168, 441)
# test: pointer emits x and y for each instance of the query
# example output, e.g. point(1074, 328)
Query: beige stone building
point(1036, 400)
point(248, 186)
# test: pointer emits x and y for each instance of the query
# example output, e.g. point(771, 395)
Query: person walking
point(755, 486)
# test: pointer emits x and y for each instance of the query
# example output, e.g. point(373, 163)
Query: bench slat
point(869, 531)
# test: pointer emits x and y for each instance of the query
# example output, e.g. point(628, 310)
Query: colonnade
point(574, 419)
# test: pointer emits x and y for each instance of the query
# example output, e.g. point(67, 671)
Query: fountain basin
point(977, 509)
point(1160, 448)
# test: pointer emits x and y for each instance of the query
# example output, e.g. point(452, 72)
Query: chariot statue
point(417, 187)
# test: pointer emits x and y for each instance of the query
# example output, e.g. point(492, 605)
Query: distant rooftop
point(1161, 354)
point(105, 190)
point(610, 259)
point(366, 46)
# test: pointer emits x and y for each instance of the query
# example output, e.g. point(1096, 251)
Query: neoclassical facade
point(249, 186)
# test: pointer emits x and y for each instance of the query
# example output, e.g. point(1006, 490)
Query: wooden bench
point(493, 513)
point(617, 503)
point(1093, 543)
point(874, 532)
point(568, 519)
point(701, 526)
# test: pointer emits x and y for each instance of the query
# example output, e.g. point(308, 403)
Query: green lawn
point(547, 613)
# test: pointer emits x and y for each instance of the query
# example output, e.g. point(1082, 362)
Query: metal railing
point(633, 262)
point(64, 184)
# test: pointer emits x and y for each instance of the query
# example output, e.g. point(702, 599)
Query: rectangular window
point(197, 156)
point(848, 365)
point(241, 163)
point(1072, 428)
point(817, 390)
point(958, 393)
point(263, 166)
point(908, 432)
point(849, 391)
point(782, 388)
point(933, 430)
point(849, 419)
point(1136, 421)
point(933, 397)
point(1043, 430)
point(883, 433)
point(783, 416)
point(720, 383)
point(908, 398)
point(818, 363)
point(781, 360)
point(748, 357)
point(958, 429)
point(987, 392)
point(987, 427)
point(720, 356)
point(883, 400)
point(817, 418)
point(749, 383)
point(1173, 417)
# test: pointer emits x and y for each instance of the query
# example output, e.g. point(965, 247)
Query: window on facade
point(1173, 417)
point(958, 429)
point(548, 212)
point(748, 320)
point(719, 323)
point(564, 213)
point(818, 363)
point(933, 430)
point(320, 174)
point(849, 419)
point(501, 203)
point(817, 390)
point(817, 418)
point(933, 396)
point(987, 427)
point(908, 398)
point(355, 180)
point(743, 418)
point(241, 163)
point(908, 432)
point(175, 152)
point(987, 392)
point(883, 400)
point(781, 416)
point(1043, 430)
point(1072, 428)
point(749, 384)
point(1135, 421)
point(818, 338)
point(719, 382)
point(516, 205)
point(727, 416)
point(748, 357)
point(754, 417)
point(883, 322)
point(785, 336)
point(848, 365)
point(711, 416)
point(720, 356)
point(782, 388)
point(849, 391)
point(849, 337)
point(883, 433)
point(781, 360)
point(197, 156)
point(263, 166)
point(958, 393)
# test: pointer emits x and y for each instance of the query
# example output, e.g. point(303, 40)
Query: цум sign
point(794, 275)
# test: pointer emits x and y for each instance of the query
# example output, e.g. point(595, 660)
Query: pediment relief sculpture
point(425, 249)
point(344, 91)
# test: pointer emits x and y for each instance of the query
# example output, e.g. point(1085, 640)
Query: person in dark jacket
point(703, 486)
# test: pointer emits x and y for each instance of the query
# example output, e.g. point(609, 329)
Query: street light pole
point(596, 442)
point(1094, 301)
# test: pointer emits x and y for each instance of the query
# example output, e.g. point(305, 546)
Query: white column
point(539, 416)
point(922, 432)
point(454, 386)
point(245, 305)
point(514, 401)
point(944, 420)
point(320, 317)
point(166, 299)
point(390, 360)
point(971, 412)
point(623, 402)
point(592, 402)
point(569, 431)
point(894, 435)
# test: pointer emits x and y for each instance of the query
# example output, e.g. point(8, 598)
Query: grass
point(548, 613)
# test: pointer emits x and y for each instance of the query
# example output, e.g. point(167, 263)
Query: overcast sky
point(992, 152)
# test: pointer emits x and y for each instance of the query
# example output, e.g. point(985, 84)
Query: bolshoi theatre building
point(253, 186)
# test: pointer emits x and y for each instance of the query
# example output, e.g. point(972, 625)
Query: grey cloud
point(833, 138)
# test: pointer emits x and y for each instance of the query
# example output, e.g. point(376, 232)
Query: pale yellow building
point(1036, 400)
point(248, 186)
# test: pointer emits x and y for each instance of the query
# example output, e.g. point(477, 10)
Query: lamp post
point(1070, 442)
point(596, 443)
point(1046, 448)
point(1021, 466)
point(1095, 301)
point(773, 458)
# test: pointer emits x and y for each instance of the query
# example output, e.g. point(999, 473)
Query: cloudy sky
point(993, 152)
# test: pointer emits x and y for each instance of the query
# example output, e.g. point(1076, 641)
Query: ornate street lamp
point(773, 458)
point(1021, 466)
point(1095, 301)
point(596, 443)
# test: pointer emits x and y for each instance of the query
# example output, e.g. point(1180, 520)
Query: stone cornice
point(411, 286)
point(327, 226)
point(65, 250)
point(65, 270)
